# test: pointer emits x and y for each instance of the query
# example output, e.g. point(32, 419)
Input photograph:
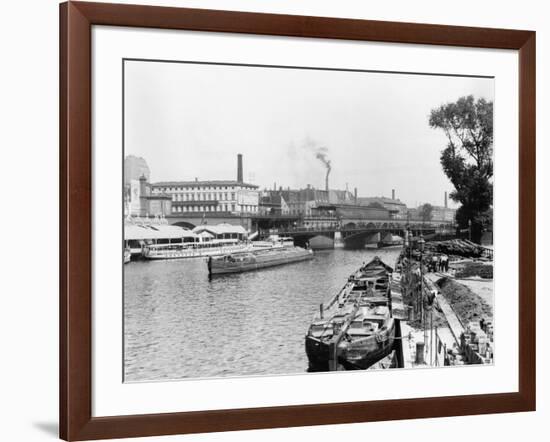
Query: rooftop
point(379, 199)
point(137, 232)
point(219, 229)
point(203, 183)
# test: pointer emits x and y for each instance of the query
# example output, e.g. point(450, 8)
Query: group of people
point(438, 263)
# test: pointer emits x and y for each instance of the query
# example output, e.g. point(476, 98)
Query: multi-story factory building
point(212, 196)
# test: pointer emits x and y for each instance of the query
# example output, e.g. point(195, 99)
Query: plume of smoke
point(321, 152)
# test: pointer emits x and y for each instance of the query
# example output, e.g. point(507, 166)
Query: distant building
point(397, 209)
point(210, 196)
point(306, 202)
point(357, 212)
point(317, 207)
point(439, 214)
point(138, 197)
point(140, 201)
point(444, 214)
point(273, 203)
point(198, 197)
point(135, 168)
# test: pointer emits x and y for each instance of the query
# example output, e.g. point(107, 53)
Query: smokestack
point(239, 168)
point(393, 194)
point(274, 186)
point(445, 200)
point(355, 195)
point(321, 155)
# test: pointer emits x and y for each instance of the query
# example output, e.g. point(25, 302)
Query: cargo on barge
point(257, 259)
point(355, 329)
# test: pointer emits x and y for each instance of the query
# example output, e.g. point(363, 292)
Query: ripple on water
point(179, 324)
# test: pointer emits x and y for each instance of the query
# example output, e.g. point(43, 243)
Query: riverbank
point(466, 301)
point(484, 288)
point(472, 269)
point(458, 328)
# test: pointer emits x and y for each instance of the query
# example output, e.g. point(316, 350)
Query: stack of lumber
point(457, 247)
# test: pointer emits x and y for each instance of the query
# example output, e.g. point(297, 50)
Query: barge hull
point(260, 265)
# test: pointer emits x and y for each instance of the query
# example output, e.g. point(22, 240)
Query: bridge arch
point(349, 225)
point(185, 225)
point(371, 226)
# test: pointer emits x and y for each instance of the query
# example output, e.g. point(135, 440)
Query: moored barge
point(257, 259)
point(355, 329)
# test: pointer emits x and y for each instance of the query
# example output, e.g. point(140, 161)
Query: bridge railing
point(303, 229)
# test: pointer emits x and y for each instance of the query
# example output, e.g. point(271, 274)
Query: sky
point(190, 121)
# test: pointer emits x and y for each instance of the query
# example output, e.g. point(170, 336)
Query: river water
point(179, 324)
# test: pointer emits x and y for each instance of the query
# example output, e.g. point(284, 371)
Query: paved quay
point(455, 325)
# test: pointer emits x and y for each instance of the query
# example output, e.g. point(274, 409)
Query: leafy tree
point(468, 158)
point(426, 212)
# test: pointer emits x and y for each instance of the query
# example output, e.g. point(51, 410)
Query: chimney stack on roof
point(393, 194)
point(239, 168)
point(355, 195)
point(445, 200)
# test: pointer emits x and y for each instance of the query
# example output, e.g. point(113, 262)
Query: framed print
point(274, 220)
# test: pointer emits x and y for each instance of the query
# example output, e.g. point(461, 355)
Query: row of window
point(195, 188)
point(212, 208)
point(220, 208)
point(203, 196)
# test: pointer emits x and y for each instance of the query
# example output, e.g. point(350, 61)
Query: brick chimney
point(239, 168)
point(445, 200)
point(355, 195)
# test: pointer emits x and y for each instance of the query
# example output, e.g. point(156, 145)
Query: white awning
point(136, 232)
point(205, 235)
point(220, 229)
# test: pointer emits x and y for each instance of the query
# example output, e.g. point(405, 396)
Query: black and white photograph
point(283, 220)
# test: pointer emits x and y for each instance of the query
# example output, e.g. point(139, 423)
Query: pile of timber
point(457, 247)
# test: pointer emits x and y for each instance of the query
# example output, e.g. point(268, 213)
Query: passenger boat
point(195, 250)
point(355, 329)
point(273, 241)
point(257, 259)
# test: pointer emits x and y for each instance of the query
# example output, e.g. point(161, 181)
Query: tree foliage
point(468, 158)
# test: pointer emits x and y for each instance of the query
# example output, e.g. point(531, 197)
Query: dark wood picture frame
point(76, 421)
